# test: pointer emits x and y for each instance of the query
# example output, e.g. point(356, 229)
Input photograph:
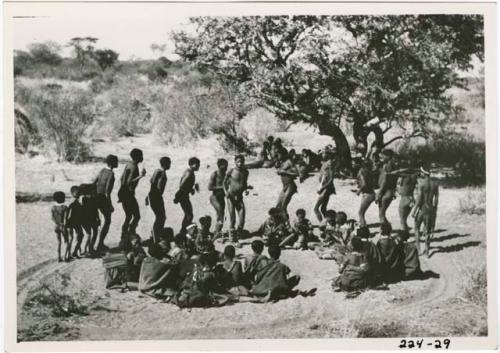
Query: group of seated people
point(188, 271)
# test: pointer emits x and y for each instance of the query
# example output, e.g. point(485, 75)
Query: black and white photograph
point(189, 174)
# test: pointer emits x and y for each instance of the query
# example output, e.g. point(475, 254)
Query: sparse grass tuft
point(473, 202)
point(378, 328)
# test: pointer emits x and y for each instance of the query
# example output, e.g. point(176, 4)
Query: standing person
point(59, 212)
point(90, 220)
point(407, 184)
point(326, 186)
point(187, 186)
point(425, 210)
point(387, 184)
point(288, 173)
point(74, 222)
point(366, 188)
point(155, 196)
point(126, 195)
point(104, 183)
point(217, 198)
point(235, 184)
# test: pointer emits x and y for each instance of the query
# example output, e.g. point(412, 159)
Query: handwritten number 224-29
point(418, 344)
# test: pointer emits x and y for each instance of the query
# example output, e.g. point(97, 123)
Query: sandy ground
point(423, 306)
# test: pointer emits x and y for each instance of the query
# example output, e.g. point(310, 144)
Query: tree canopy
point(323, 70)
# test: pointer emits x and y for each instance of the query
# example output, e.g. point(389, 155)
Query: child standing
point(155, 196)
point(187, 186)
point(126, 195)
point(74, 222)
point(217, 198)
point(235, 184)
point(59, 213)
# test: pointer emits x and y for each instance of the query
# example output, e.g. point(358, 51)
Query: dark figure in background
point(155, 196)
point(59, 212)
point(387, 184)
point(104, 183)
point(187, 186)
point(426, 209)
point(126, 195)
point(326, 187)
point(217, 198)
point(407, 184)
point(366, 189)
point(288, 173)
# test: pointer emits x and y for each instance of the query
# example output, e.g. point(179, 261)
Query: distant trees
point(105, 58)
point(325, 70)
point(45, 53)
point(83, 48)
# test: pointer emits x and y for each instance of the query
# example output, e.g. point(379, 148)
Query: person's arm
point(227, 180)
point(383, 184)
point(53, 212)
point(142, 174)
point(162, 182)
point(184, 180)
point(418, 203)
point(436, 198)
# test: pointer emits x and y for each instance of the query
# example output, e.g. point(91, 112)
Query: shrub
point(61, 116)
point(379, 328)
point(473, 202)
point(451, 149)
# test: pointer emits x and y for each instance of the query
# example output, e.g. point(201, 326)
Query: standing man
point(187, 186)
point(326, 186)
point(155, 196)
point(425, 210)
point(235, 184)
point(126, 195)
point(104, 183)
point(217, 198)
point(387, 184)
point(288, 173)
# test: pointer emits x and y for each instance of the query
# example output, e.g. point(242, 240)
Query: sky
point(130, 37)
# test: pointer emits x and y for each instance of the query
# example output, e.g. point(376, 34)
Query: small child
point(74, 222)
point(178, 252)
point(204, 237)
point(327, 227)
point(343, 228)
point(274, 229)
point(191, 235)
point(302, 231)
point(59, 213)
point(393, 261)
point(135, 255)
point(354, 269)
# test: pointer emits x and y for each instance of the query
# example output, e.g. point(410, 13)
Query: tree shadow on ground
point(449, 237)
point(453, 248)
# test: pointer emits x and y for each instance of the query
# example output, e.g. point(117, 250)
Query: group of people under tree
point(378, 174)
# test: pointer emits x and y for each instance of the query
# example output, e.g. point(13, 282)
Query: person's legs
point(218, 203)
point(158, 207)
point(105, 228)
point(293, 281)
point(404, 212)
point(58, 235)
point(69, 243)
point(79, 239)
point(366, 201)
point(127, 208)
point(232, 214)
point(93, 239)
point(240, 207)
point(187, 208)
point(136, 215)
point(418, 223)
point(384, 205)
point(324, 204)
point(287, 197)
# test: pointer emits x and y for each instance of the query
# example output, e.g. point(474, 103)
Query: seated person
point(159, 274)
point(328, 227)
point(302, 232)
point(254, 263)
point(354, 269)
point(204, 237)
point(410, 257)
point(275, 228)
point(167, 234)
point(274, 278)
point(135, 256)
point(178, 252)
point(233, 268)
point(393, 261)
point(343, 229)
point(190, 243)
point(373, 255)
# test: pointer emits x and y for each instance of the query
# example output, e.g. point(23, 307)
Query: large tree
point(326, 70)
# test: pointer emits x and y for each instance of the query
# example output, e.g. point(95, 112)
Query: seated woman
point(354, 269)
point(159, 273)
point(135, 256)
point(264, 160)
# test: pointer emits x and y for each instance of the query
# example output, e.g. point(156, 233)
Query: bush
point(61, 116)
point(474, 202)
point(451, 149)
point(125, 106)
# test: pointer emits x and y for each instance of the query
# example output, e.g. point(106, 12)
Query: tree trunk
point(343, 150)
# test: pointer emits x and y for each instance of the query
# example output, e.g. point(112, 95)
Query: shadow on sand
point(453, 248)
